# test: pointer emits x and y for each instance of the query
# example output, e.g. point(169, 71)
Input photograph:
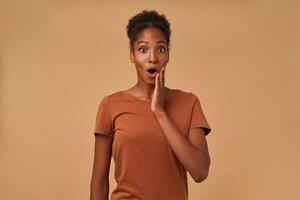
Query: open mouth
point(152, 72)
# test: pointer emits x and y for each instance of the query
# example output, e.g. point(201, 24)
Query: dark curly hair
point(147, 19)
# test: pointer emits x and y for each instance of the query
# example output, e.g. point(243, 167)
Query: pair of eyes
point(160, 49)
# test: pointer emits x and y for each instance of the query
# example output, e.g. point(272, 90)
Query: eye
point(142, 48)
point(160, 49)
point(163, 49)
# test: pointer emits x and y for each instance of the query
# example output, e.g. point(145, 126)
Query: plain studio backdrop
point(58, 58)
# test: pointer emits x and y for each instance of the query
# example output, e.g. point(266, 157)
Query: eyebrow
point(148, 42)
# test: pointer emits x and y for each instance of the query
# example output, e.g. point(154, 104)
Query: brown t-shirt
point(146, 168)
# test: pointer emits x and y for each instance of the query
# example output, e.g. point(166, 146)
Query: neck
point(145, 89)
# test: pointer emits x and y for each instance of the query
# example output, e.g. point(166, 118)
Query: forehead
point(150, 35)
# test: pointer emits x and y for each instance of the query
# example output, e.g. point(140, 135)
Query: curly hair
point(147, 19)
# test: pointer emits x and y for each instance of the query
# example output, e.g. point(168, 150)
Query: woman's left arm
point(192, 152)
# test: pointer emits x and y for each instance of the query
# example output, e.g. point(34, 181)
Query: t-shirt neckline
point(176, 92)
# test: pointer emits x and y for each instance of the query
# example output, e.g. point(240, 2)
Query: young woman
point(154, 134)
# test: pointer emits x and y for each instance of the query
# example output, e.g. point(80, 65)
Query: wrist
point(159, 113)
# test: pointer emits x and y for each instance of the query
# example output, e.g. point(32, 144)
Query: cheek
point(164, 59)
point(140, 60)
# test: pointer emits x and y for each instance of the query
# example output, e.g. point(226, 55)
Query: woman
point(155, 134)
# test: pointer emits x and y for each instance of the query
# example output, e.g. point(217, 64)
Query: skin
point(99, 185)
point(149, 49)
point(192, 152)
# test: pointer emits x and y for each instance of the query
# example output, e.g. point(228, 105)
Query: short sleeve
point(103, 124)
point(198, 118)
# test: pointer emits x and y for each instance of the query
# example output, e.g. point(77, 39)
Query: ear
point(168, 55)
point(131, 56)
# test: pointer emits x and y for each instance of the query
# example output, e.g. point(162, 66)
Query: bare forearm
point(99, 191)
point(192, 158)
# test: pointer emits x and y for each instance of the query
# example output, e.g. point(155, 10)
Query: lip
point(154, 74)
point(151, 75)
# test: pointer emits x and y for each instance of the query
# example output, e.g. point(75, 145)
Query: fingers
point(163, 77)
point(160, 78)
point(157, 85)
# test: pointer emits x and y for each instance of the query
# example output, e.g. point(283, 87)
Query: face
point(150, 50)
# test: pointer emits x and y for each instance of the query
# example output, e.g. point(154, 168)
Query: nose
point(153, 57)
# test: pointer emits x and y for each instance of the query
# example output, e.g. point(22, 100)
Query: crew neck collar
point(176, 92)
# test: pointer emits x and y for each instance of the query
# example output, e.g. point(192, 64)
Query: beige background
point(58, 58)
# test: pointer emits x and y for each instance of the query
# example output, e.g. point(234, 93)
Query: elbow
point(202, 175)
point(200, 178)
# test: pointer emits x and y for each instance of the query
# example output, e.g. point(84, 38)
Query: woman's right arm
point(99, 186)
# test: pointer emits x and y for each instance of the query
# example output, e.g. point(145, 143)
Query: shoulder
point(106, 99)
point(189, 95)
point(112, 96)
point(113, 99)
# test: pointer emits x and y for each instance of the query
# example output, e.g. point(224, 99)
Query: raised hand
point(158, 98)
